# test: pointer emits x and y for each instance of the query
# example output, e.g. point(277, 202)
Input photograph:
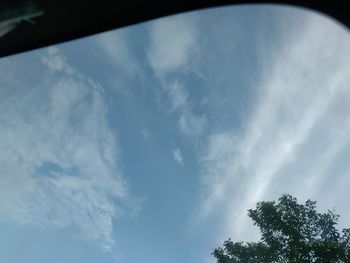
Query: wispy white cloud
point(178, 156)
point(145, 134)
point(173, 40)
point(54, 61)
point(59, 157)
point(178, 96)
point(173, 45)
point(295, 131)
point(192, 124)
point(116, 51)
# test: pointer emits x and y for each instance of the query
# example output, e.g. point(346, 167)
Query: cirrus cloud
point(59, 157)
point(296, 135)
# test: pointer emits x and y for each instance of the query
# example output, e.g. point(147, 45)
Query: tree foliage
point(290, 233)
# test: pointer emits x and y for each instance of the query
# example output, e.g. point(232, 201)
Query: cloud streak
point(114, 47)
point(296, 129)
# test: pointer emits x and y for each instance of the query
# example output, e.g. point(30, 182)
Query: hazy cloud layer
point(297, 133)
point(58, 156)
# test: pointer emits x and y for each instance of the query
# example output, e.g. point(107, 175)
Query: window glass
point(149, 143)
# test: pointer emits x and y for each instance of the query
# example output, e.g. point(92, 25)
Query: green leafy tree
point(290, 233)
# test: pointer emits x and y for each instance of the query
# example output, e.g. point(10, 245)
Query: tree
point(290, 233)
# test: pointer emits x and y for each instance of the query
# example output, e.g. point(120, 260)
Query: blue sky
point(149, 143)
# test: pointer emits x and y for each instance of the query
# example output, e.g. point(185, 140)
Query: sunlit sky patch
point(149, 143)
